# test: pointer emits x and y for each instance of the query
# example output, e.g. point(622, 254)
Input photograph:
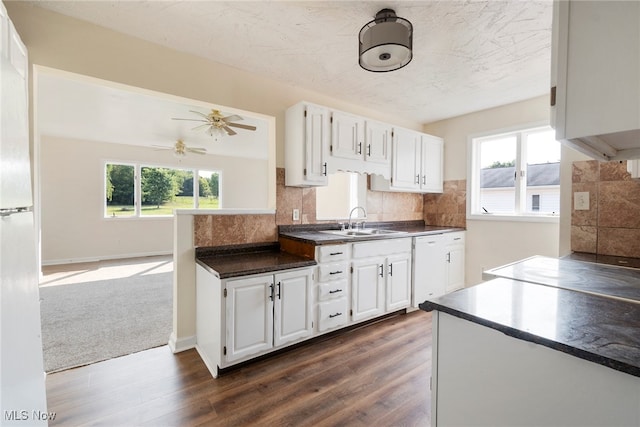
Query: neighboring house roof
point(537, 175)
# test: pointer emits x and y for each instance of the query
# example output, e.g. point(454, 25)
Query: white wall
point(72, 178)
point(493, 243)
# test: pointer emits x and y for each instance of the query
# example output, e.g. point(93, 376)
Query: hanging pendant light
point(386, 42)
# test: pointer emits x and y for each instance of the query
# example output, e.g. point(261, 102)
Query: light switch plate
point(296, 214)
point(581, 200)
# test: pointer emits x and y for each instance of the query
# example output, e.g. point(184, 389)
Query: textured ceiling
point(468, 55)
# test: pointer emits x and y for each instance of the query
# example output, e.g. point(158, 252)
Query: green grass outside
point(180, 202)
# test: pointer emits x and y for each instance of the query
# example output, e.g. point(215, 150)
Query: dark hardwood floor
point(378, 374)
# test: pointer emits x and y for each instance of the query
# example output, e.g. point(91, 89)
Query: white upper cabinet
point(347, 135)
point(359, 144)
point(595, 94)
point(320, 141)
point(307, 139)
point(416, 163)
point(431, 165)
point(377, 142)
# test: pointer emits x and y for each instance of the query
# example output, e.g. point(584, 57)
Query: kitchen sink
point(362, 232)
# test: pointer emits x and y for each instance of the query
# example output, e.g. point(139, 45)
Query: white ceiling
point(93, 110)
point(468, 55)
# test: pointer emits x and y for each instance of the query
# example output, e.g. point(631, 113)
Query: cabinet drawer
point(332, 290)
point(332, 314)
point(332, 253)
point(455, 237)
point(381, 247)
point(333, 271)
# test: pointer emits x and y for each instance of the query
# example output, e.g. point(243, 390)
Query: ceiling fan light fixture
point(216, 132)
point(385, 44)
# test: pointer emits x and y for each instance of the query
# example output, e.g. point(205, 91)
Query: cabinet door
point(429, 268)
point(377, 142)
point(249, 316)
point(293, 306)
point(405, 168)
point(367, 288)
point(316, 132)
point(455, 267)
point(431, 178)
point(347, 135)
point(398, 281)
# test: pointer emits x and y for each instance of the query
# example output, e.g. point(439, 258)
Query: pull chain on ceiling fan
point(216, 124)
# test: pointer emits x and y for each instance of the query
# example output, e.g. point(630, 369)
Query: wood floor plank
point(378, 374)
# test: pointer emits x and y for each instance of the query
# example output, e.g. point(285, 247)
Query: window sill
point(515, 218)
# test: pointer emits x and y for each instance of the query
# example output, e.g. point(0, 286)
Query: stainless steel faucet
point(351, 213)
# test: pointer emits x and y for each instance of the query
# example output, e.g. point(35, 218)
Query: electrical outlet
point(296, 214)
point(581, 200)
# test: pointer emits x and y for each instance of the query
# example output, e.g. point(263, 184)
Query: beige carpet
point(97, 311)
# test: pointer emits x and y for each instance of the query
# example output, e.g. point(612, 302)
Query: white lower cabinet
point(244, 317)
point(332, 286)
point(367, 288)
point(454, 245)
point(381, 279)
point(240, 318)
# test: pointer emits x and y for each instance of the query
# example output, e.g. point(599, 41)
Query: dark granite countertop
point(312, 233)
point(587, 277)
point(595, 328)
point(242, 260)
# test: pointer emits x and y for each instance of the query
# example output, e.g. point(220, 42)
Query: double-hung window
point(515, 174)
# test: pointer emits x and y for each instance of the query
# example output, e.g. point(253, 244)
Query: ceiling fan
point(216, 124)
point(180, 149)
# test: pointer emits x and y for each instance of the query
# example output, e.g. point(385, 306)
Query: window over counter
point(344, 191)
point(515, 174)
point(135, 190)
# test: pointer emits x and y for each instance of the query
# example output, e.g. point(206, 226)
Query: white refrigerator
point(22, 378)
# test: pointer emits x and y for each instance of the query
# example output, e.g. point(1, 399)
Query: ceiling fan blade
point(190, 120)
point(233, 117)
point(201, 126)
point(229, 131)
point(200, 114)
point(162, 147)
point(197, 150)
point(238, 125)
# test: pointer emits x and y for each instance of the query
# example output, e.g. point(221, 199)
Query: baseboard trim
point(182, 344)
point(213, 369)
point(104, 258)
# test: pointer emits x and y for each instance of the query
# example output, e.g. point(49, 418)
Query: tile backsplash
point(447, 209)
point(611, 225)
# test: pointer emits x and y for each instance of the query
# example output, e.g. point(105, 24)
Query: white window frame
point(473, 174)
point(137, 190)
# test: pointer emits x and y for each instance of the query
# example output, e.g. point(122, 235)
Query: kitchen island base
point(482, 376)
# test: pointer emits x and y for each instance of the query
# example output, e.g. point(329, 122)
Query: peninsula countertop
point(587, 310)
